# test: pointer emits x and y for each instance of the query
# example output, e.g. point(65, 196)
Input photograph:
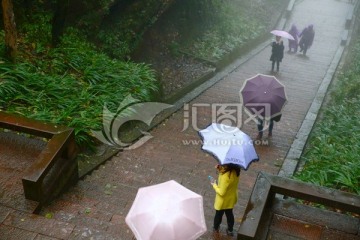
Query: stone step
point(28, 222)
point(95, 214)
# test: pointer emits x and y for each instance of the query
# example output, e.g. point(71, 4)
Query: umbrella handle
point(266, 124)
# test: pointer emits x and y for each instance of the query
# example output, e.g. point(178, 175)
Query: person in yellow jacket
point(226, 195)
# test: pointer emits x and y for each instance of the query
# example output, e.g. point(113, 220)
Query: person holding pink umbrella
point(277, 53)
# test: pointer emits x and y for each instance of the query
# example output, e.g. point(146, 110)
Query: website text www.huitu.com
point(224, 142)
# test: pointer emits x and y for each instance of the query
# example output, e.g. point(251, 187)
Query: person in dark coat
point(293, 44)
point(260, 126)
point(307, 38)
point(277, 53)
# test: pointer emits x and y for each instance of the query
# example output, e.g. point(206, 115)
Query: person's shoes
point(301, 50)
point(270, 135)
point(259, 137)
point(229, 233)
point(216, 234)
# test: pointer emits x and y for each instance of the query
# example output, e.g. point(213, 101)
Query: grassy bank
point(70, 84)
point(332, 154)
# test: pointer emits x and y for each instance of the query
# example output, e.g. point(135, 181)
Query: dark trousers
point(229, 217)
point(273, 65)
point(303, 47)
point(260, 126)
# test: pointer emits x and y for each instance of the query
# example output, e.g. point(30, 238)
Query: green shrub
point(333, 153)
point(231, 26)
point(71, 84)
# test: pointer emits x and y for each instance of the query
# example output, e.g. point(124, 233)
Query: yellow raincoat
point(226, 190)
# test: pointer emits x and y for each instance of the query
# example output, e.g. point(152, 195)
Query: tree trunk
point(10, 30)
point(58, 23)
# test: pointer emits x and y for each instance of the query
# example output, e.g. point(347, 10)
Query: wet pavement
point(95, 208)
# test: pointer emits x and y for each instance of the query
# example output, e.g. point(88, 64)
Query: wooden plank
point(266, 186)
point(25, 125)
point(313, 215)
point(53, 150)
point(305, 191)
point(255, 208)
point(61, 149)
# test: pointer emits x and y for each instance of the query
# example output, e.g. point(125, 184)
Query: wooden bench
point(255, 222)
point(56, 167)
point(290, 7)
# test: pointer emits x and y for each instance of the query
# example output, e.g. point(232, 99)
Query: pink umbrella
point(166, 211)
point(282, 34)
point(263, 96)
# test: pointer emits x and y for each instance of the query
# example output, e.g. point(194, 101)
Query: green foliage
point(71, 84)
point(116, 44)
point(39, 34)
point(174, 48)
point(124, 31)
point(230, 27)
point(88, 15)
point(2, 44)
point(333, 155)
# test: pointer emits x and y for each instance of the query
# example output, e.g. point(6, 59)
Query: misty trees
point(59, 18)
point(10, 29)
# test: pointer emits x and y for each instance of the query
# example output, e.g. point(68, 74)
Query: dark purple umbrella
point(263, 96)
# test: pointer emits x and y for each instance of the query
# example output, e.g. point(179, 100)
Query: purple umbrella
point(282, 34)
point(263, 96)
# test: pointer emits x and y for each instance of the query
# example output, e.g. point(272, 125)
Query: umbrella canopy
point(263, 96)
point(229, 145)
point(166, 211)
point(282, 34)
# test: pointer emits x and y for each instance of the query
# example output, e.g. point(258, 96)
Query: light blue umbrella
point(229, 145)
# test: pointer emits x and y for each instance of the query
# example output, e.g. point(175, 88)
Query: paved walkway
point(96, 207)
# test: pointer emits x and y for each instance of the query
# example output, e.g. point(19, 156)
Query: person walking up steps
point(293, 44)
point(277, 53)
point(307, 38)
point(260, 126)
